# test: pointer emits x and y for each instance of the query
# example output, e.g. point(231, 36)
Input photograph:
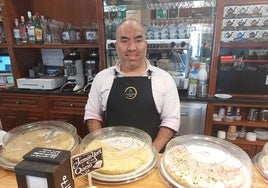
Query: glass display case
point(243, 55)
point(179, 33)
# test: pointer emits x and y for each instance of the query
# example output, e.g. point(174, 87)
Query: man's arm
point(93, 125)
point(163, 136)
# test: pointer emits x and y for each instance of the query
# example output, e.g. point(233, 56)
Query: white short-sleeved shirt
point(165, 95)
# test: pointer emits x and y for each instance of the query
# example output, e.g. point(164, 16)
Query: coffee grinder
point(91, 63)
point(73, 70)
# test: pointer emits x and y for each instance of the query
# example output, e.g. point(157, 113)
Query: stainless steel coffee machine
point(91, 63)
point(73, 70)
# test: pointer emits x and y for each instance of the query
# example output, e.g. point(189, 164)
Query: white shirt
point(165, 95)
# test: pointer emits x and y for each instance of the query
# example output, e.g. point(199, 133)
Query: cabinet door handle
point(17, 102)
point(184, 114)
point(71, 105)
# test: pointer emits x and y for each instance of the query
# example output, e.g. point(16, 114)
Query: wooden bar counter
point(8, 180)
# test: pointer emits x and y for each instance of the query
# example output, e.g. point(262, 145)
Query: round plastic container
point(204, 161)
point(128, 154)
point(260, 160)
point(49, 134)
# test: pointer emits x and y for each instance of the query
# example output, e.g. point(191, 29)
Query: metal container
point(263, 115)
point(252, 114)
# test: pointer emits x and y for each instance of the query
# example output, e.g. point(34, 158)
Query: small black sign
point(47, 155)
point(85, 163)
point(173, 13)
point(113, 15)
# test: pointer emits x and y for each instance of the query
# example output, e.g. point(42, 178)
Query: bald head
point(129, 24)
point(131, 47)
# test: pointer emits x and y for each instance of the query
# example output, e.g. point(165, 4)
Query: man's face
point(131, 45)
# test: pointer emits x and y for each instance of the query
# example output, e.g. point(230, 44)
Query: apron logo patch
point(130, 92)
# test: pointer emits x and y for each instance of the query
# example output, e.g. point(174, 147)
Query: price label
point(83, 164)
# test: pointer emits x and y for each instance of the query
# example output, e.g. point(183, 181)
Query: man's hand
point(93, 125)
point(162, 138)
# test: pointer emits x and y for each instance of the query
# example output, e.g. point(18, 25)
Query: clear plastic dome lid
point(261, 162)
point(204, 161)
point(127, 153)
point(22, 139)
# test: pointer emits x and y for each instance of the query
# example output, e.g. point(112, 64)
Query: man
point(205, 52)
point(133, 92)
point(178, 58)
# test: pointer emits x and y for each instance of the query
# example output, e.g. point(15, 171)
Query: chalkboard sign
point(46, 155)
point(85, 163)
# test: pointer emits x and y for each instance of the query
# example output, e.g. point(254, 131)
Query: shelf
point(3, 45)
point(243, 123)
point(245, 61)
point(239, 140)
point(247, 2)
point(246, 44)
point(27, 46)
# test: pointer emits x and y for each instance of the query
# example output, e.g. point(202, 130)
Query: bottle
point(30, 28)
point(23, 31)
point(46, 36)
point(38, 30)
point(202, 78)
point(16, 32)
point(192, 82)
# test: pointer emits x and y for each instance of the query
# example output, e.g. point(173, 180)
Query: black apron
point(131, 103)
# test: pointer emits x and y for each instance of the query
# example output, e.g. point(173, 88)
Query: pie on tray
point(121, 155)
point(47, 134)
point(201, 161)
point(189, 172)
point(128, 154)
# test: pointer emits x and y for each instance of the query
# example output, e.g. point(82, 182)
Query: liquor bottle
point(23, 31)
point(38, 30)
point(44, 25)
point(202, 78)
point(30, 28)
point(16, 32)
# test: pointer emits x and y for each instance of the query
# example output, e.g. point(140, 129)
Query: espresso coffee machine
point(91, 63)
point(73, 71)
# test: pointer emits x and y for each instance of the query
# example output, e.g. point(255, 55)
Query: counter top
point(8, 180)
point(182, 93)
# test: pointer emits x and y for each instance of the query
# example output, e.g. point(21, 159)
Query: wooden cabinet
point(236, 37)
point(78, 13)
point(240, 34)
point(69, 109)
point(17, 109)
point(212, 126)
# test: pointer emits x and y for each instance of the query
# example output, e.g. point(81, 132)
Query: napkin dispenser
point(45, 168)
